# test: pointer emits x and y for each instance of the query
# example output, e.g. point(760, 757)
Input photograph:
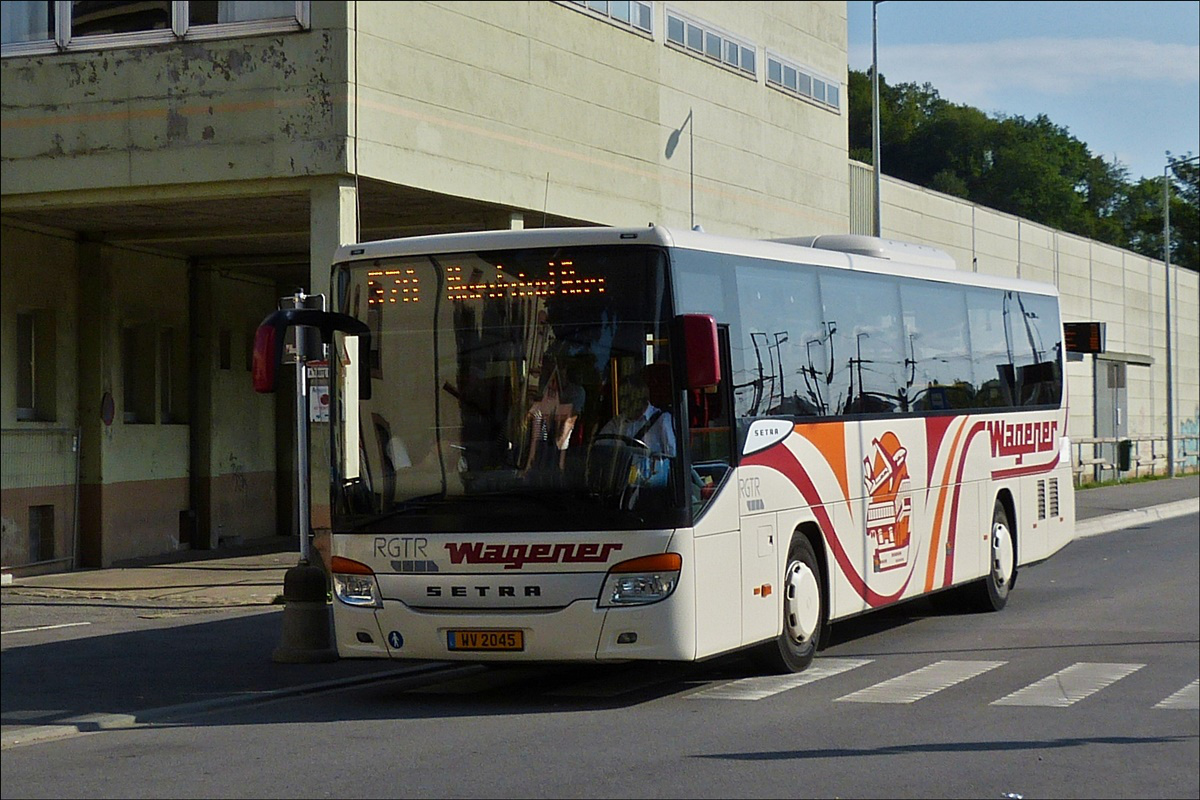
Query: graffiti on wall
point(1188, 442)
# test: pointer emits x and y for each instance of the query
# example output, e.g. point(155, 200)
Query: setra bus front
point(513, 486)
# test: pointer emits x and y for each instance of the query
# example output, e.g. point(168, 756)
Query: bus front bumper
point(580, 632)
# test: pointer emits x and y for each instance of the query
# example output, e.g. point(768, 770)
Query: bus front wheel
point(804, 613)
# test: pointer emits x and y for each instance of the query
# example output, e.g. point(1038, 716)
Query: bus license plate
point(485, 640)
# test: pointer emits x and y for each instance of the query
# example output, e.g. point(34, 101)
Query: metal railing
point(1097, 458)
point(39, 484)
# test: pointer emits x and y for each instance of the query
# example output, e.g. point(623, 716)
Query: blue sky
point(1122, 77)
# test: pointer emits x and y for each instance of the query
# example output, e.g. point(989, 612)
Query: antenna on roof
point(546, 200)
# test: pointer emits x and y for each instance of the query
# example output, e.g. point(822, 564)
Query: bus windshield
point(512, 390)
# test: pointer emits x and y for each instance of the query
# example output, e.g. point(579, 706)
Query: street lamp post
point(875, 111)
point(1167, 270)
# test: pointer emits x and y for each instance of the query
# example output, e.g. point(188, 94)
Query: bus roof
point(840, 250)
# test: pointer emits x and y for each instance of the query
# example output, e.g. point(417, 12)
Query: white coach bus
point(599, 444)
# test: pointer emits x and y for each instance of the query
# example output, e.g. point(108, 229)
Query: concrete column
point(333, 222)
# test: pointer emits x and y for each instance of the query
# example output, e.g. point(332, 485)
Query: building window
point(23, 21)
point(172, 384)
point(708, 42)
point(37, 371)
point(794, 79)
point(96, 17)
point(138, 374)
point(213, 12)
point(633, 14)
point(46, 27)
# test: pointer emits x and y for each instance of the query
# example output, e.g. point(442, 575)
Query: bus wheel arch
point(805, 606)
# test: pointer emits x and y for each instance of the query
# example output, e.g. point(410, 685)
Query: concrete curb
point(109, 722)
point(1138, 516)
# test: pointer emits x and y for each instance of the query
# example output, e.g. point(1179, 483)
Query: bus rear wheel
point(804, 613)
point(992, 593)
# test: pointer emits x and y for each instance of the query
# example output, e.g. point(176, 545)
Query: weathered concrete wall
point(230, 109)
point(526, 90)
point(136, 473)
point(38, 276)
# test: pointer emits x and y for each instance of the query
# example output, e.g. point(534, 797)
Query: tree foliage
point(1034, 169)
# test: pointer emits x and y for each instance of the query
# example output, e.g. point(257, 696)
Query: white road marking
point(1188, 697)
point(765, 686)
point(45, 628)
point(921, 683)
point(1070, 685)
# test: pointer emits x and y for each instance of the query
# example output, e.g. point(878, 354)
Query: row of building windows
point(35, 26)
point(701, 39)
point(793, 79)
point(707, 42)
point(632, 13)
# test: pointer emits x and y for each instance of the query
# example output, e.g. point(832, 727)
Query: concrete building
point(171, 169)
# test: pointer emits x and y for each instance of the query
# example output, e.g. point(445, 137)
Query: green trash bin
point(1124, 454)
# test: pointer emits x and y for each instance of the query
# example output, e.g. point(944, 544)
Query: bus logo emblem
point(889, 508)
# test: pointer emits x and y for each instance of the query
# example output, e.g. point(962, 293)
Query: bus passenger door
point(714, 497)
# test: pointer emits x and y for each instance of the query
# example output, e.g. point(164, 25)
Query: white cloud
point(974, 72)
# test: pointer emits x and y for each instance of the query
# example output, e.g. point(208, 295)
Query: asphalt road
point(1085, 686)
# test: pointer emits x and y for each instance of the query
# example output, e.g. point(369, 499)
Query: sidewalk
point(247, 575)
point(252, 575)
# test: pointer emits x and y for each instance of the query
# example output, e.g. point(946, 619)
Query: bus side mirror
point(268, 342)
point(701, 351)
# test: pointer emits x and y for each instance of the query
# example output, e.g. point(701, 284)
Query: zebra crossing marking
point(1188, 698)
point(920, 683)
point(1069, 685)
point(1058, 690)
point(765, 686)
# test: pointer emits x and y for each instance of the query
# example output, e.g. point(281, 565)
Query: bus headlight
point(641, 580)
point(354, 583)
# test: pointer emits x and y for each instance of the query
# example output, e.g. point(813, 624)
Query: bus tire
point(992, 593)
point(805, 613)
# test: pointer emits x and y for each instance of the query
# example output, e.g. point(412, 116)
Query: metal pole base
point(306, 637)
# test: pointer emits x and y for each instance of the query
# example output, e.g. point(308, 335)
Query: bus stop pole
point(302, 468)
point(306, 636)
